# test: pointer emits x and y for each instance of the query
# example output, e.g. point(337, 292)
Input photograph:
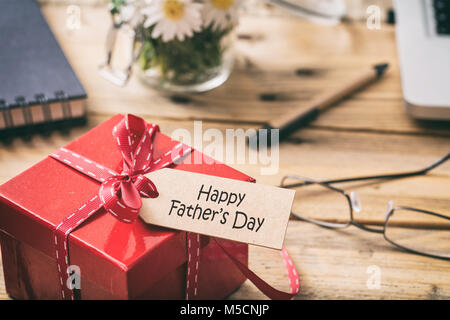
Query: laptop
point(423, 40)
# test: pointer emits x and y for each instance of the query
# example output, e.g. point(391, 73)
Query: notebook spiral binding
point(43, 101)
point(6, 112)
point(65, 103)
point(27, 115)
point(29, 124)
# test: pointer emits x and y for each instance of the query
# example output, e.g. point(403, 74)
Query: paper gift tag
point(219, 207)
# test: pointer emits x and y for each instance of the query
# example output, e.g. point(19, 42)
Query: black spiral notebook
point(38, 88)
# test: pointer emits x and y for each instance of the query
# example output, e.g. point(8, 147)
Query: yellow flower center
point(173, 9)
point(223, 4)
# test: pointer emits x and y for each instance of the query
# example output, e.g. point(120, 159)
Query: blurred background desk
point(283, 62)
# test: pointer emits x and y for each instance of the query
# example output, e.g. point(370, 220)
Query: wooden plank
point(279, 68)
point(339, 264)
point(334, 265)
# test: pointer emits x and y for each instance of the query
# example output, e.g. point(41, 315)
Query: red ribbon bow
point(121, 193)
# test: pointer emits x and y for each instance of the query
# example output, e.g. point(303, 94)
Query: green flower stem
point(183, 61)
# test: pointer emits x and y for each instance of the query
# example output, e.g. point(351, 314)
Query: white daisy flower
point(220, 13)
point(173, 18)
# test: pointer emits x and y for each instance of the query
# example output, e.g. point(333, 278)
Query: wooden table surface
point(290, 61)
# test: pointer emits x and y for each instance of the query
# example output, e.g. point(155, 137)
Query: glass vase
point(196, 64)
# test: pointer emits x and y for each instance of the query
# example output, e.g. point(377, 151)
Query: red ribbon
point(120, 194)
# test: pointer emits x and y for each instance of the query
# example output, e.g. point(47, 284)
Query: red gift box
point(116, 260)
